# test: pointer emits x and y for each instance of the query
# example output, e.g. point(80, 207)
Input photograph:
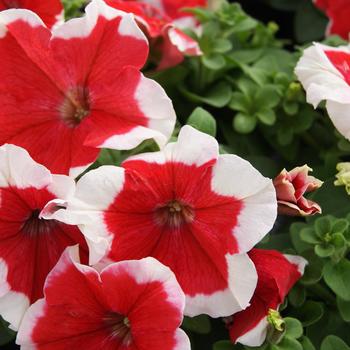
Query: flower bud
point(343, 176)
point(290, 189)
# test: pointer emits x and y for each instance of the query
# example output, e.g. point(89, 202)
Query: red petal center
point(76, 106)
point(119, 326)
point(174, 214)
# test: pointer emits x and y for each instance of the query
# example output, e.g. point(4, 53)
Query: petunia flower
point(290, 189)
point(338, 12)
point(324, 72)
point(50, 11)
point(162, 22)
point(29, 245)
point(277, 274)
point(65, 94)
point(130, 305)
point(194, 210)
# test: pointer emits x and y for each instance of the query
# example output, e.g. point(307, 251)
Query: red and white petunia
point(338, 12)
point(277, 274)
point(130, 305)
point(291, 186)
point(50, 11)
point(194, 210)
point(29, 245)
point(65, 94)
point(324, 72)
point(162, 23)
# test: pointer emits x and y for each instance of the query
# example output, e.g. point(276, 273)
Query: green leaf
point(256, 74)
point(202, 121)
point(247, 86)
point(313, 271)
point(240, 102)
point(306, 343)
point(277, 61)
point(199, 324)
point(214, 62)
point(218, 96)
point(243, 123)
point(309, 313)
point(294, 328)
point(344, 309)
point(289, 344)
point(222, 45)
point(267, 97)
point(291, 108)
point(333, 343)
point(246, 56)
point(324, 251)
point(267, 116)
point(323, 226)
point(337, 277)
point(308, 235)
point(245, 25)
point(340, 225)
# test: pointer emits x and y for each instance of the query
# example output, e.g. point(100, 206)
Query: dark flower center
point(75, 107)
point(34, 226)
point(174, 214)
point(119, 327)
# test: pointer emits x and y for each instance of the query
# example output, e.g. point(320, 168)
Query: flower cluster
point(118, 257)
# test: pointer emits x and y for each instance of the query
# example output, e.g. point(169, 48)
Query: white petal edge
point(242, 281)
point(185, 45)
point(95, 192)
point(298, 261)
point(158, 108)
point(82, 27)
point(182, 341)
point(256, 336)
point(18, 169)
point(63, 187)
point(13, 304)
point(235, 177)
point(76, 171)
point(24, 335)
point(12, 15)
point(191, 148)
point(339, 114)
